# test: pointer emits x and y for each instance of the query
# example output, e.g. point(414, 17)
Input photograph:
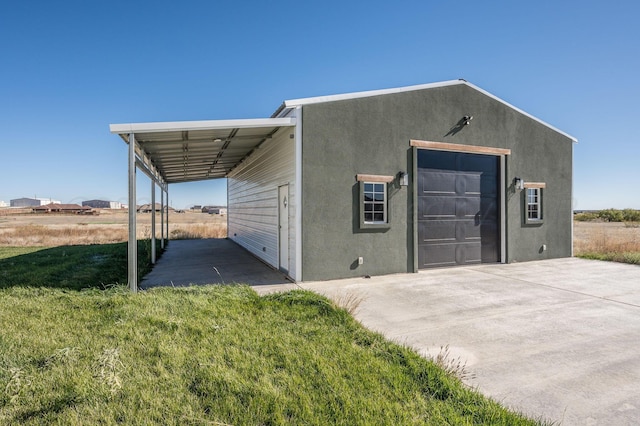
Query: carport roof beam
point(179, 126)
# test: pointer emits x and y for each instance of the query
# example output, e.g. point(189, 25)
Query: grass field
point(107, 227)
point(77, 348)
point(612, 241)
point(214, 355)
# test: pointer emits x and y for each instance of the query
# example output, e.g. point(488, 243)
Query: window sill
point(367, 225)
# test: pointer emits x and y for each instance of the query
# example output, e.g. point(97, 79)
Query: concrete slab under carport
point(556, 339)
point(210, 261)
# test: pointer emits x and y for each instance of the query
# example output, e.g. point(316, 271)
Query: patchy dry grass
point(33, 235)
point(618, 242)
point(191, 231)
point(29, 230)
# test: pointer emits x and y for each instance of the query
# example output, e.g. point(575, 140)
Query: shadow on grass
point(72, 267)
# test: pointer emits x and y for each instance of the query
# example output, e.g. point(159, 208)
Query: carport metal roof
point(185, 151)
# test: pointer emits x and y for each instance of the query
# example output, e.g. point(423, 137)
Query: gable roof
point(287, 106)
point(61, 207)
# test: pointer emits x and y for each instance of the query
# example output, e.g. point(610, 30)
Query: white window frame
point(379, 186)
point(375, 197)
point(533, 202)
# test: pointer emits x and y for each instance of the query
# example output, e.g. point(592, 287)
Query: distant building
point(32, 202)
point(62, 208)
point(102, 204)
point(4, 204)
point(146, 208)
point(196, 207)
point(214, 210)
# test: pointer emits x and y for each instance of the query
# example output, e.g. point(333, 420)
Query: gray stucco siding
point(372, 135)
point(540, 156)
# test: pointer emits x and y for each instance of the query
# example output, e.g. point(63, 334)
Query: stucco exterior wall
point(372, 135)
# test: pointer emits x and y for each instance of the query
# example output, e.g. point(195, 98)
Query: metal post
point(161, 217)
point(132, 260)
point(167, 223)
point(153, 222)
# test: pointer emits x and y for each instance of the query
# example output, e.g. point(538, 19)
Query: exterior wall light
point(518, 183)
point(403, 178)
point(467, 119)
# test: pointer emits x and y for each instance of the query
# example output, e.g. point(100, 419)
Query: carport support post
point(132, 261)
point(161, 218)
point(167, 222)
point(153, 222)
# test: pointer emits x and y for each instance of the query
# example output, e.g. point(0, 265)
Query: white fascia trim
point(179, 126)
point(355, 95)
point(298, 190)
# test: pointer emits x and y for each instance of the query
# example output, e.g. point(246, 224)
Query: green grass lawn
point(209, 355)
point(625, 257)
point(72, 267)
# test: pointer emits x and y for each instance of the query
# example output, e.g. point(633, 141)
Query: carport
point(185, 151)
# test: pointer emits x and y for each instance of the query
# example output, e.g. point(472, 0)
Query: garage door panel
point(438, 255)
point(468, 184)
point(476, 163)
point(468, 253)
point(489, 208)
point(488, 186)
point(442, 161)
point(437, 207)
point(438, 182)
point(437, 231)
point(468, 230)
point(467, 207)
point(458, 209)
point(452, 231)
point(434, 255)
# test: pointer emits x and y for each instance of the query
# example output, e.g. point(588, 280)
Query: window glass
point(534, 212)
point(375, 202)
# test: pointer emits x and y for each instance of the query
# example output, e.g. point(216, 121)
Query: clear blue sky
point(70, 68)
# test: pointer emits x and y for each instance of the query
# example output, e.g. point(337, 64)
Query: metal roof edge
point(355, 95)
point(292, 103)
point(177, 126)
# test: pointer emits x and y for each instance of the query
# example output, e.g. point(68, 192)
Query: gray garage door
point(458, 214)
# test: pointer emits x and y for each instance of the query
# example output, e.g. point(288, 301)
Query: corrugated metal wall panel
point(253, 199)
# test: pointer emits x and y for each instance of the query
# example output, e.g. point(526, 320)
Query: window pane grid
point(375, 203)
point(533, 204)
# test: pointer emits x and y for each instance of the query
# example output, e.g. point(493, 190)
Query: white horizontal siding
point(253, 199)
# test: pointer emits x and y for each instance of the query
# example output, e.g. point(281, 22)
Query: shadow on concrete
point(210, 261)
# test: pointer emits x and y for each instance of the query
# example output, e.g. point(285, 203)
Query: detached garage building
point(378, 182)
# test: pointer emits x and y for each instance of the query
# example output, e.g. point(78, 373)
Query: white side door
point(283, 227)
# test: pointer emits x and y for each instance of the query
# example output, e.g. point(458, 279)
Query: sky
point(68, 69)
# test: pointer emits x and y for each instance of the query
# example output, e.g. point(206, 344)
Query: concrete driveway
point(556, 339)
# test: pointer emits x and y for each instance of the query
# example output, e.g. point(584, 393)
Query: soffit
point(198, 150)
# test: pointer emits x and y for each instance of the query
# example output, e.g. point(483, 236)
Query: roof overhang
point(187, 151)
